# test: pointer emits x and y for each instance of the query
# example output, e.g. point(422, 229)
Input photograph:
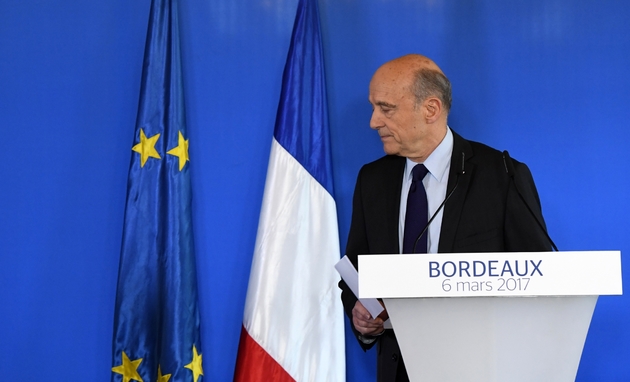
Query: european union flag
point(156, 323)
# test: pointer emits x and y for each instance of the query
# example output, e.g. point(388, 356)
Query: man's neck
point(432, 143)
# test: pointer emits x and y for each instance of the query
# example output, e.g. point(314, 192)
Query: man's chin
point(391, 150)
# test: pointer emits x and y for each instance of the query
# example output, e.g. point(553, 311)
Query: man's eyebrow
point(386, 104)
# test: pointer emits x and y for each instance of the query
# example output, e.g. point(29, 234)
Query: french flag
point(293, 320)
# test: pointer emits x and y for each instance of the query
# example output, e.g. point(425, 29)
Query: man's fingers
point(361, 313)
point(362, 316)
point(364, 322)
point(367, 326)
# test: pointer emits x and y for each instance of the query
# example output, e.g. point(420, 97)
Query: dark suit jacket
point(484, 214)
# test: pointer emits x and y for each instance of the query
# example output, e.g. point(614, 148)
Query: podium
point(491, 316)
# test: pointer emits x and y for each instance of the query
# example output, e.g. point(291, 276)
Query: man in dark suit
point(411, 99)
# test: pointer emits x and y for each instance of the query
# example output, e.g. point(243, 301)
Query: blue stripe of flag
point(302, 119)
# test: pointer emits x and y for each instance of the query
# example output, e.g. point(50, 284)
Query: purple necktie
point(417, 213)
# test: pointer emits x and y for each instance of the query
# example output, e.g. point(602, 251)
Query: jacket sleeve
point(357, 244)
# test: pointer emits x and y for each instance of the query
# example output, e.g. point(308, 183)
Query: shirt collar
point(438, 162)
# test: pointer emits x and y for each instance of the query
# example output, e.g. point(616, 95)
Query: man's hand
point(364, 323)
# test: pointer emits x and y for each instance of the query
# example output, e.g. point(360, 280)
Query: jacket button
point(394, 357)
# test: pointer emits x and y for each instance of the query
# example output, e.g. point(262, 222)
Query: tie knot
point(419, 172)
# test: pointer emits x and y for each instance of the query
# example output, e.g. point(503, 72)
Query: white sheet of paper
point(350, 275)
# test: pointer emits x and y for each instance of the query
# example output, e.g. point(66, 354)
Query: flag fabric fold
point(156, 323)
point(293, 319)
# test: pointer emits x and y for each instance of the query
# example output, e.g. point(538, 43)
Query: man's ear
point(433, 109)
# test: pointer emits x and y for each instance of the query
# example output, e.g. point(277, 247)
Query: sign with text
point(490, 274)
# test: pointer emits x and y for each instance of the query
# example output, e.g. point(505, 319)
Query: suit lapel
point(393, 204)
point(453, 208)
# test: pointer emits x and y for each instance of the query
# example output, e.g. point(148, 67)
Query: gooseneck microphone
point(511, 171)
point(426, 227)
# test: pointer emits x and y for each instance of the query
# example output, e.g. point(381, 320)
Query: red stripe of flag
point(255, 364)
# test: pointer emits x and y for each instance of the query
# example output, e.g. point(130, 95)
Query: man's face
point(400, 125)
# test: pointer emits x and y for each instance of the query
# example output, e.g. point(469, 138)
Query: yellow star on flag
point(195, 365)
point(128, 369)
point(181, 151)
point(146, 147)
point(162, 378)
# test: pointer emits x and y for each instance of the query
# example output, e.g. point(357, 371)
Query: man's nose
point(375, 121)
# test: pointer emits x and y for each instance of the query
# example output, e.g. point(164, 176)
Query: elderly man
point(492, 204)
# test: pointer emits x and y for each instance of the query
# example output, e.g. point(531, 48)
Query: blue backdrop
point(547, 80)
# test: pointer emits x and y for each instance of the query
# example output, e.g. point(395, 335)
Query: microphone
point(426, 227)
point(509, 168)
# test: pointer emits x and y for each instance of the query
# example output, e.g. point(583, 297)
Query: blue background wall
point(547, 80)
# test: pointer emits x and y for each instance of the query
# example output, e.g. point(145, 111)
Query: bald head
point(412, 62)
point(419, 75)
